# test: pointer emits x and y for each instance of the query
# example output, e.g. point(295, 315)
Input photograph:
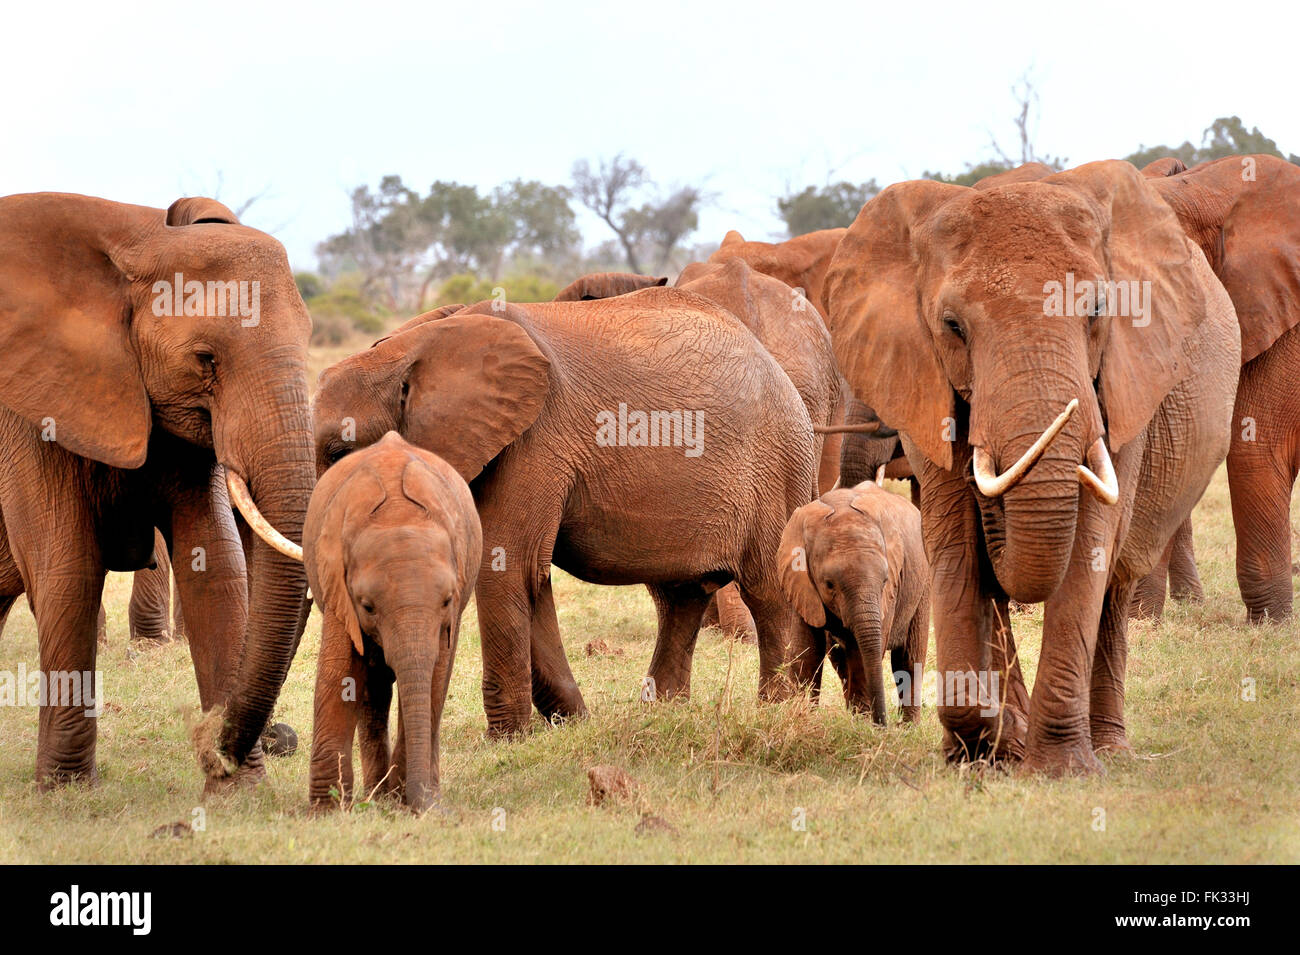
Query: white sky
point(148, 102)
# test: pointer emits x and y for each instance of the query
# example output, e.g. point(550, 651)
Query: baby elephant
point(392, 546)
point(853, 566)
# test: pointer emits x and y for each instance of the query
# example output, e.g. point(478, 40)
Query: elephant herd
point(1058, 360)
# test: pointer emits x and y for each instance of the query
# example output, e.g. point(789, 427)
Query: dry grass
point(719, 779)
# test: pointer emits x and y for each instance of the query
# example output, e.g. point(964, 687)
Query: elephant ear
point(882, 343)
point(792, 564)
point(436, 314)
point(355, 493)
point(1145, 356)
point(476, 384)
point(197, 209)
point(1244, 212)
point(67, 364)
point(732, 238)
point(430, 483)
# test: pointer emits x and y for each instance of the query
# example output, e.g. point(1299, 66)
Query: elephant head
point(844, 553)
point(800, 262)
point(606, 285)
point(463, 386)
point(392, 547)
point(1039, 322)
point(117, 320)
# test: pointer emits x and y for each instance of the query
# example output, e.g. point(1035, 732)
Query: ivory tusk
point(1103, 483)
point(880, 476)
point(992, 484)
point(243, 500)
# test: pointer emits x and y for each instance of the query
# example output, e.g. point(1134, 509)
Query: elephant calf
point(392, 545)
point(853, 565)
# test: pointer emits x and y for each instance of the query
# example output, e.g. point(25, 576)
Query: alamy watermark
point(651, 429)
point(57, 688)
point(211, 299)
point(1096, 297)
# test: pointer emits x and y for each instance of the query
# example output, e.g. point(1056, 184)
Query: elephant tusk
point(880, 476)
point(865, 427)
point(992, 484)
point(1103, 484)
point(243, 500)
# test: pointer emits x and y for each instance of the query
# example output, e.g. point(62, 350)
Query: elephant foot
point(1188, 593)
point(506, 729)
point(1072, 758)
point(558, 703)
point(61, 778)
point(991, 735)
point(280, 739)
point(246, 777)
point(727, 612)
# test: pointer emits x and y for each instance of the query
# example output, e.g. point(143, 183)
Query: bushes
point(468, 289)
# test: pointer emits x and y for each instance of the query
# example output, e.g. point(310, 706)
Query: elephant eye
point(830, 584)
point(367, 605)
point(207, 362)
point(954, 326)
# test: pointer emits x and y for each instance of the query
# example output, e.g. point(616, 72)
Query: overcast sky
point(144, 103)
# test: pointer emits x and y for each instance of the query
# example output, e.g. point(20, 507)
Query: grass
point(1215, 779)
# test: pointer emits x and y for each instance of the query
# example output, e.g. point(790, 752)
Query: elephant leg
point(212, 582)
point(1184, 580)
point(150, 605)
point(789, 654)
point(505, 612)
point(377, 769)
point(7, 604)
point(982, 702)
point(1260, 483)
point(178, 614)
point(1149, 595)
point(728, 613)
point(101, 626)
point(908, 662)
point(340, 689)
point(1106, 695)
point(680, 608)
point(856, 676)
point(555, 691)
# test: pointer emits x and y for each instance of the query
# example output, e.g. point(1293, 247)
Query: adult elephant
point(603, 437)
point(606, 285)
point(154, 366)
point(1244, 213)
point(948, 316)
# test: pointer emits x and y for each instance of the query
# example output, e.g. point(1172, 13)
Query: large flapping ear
point(882, 343)
point(198, 209)
point(1154, 265)
point(792, 564)
point(343, 500)
point(600, 285)
point(70, 368)
point(477, 382)
point(1244, 212)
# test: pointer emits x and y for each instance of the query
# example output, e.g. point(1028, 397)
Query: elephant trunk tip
point(205, 736)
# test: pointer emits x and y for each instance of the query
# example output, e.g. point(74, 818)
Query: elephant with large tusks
point(153, 372)
point(1062, 363)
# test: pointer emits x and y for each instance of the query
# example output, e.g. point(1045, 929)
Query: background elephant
point(543, 409)
point(606, 285)
point(801, 264)
point(188, 339)
point(947, 316)
point(392, 547)
point(852, 564)
point(1244, 213)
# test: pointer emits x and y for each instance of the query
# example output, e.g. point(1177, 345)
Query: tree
point(827, 207)
point(651, 231)
point(1226, 136)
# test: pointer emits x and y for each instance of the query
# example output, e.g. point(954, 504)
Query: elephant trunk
point(274, 460)
point(414, 670)
point(866, 622)
point(862, 455)
point(1030, 524)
